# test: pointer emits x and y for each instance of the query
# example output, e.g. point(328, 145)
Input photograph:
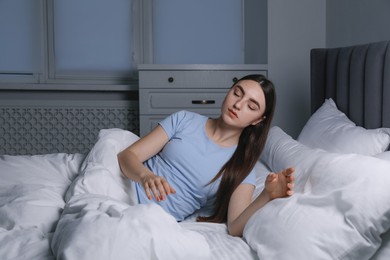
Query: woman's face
point(244, 104)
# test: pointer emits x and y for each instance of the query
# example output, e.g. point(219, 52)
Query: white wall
point(294, 28)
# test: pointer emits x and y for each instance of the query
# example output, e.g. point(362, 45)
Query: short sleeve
point(172, 123)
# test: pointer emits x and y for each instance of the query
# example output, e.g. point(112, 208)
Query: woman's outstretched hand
point(241, 207)
point(280, 184)
point(157, 187)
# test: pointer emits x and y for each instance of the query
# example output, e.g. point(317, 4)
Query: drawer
point(209, 79)
point(166, 101)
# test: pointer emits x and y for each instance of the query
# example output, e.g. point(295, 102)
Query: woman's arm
point(277, 185)
point(131, 163)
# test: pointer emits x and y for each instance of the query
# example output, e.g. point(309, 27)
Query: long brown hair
point(244, 158)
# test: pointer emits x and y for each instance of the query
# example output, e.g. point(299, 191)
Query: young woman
point(189, 160)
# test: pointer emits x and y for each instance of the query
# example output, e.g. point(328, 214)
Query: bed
point(76, 206)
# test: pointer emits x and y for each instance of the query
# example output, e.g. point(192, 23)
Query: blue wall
point(350, 22)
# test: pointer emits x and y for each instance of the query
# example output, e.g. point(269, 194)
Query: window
point(210, 32)
point(103, 41)
point(197, 32)
point(95, 41)
point(84, 41)
point(21, 54)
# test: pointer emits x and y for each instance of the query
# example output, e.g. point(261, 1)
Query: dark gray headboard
point(357, 78)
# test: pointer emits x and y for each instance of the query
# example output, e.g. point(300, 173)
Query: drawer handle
point(171, 79)
point(203, 102)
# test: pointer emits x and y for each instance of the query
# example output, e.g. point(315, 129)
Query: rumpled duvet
point(101, 221)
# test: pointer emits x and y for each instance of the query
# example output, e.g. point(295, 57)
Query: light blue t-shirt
point(188, 162)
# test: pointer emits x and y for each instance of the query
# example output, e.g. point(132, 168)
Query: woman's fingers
point(153, 189)
point(147, 190)
point(157, 187)
point(288, 172)
point(168, 189)
point(271, 177)
point(281, 184)
point(290, 178)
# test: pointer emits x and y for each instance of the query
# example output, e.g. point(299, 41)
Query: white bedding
point(31, 200)
point(95, 220)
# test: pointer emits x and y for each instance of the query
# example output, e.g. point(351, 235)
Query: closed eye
point(237, 92)
point(254, 105)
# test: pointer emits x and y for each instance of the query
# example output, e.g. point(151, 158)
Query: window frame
point(25, 76)
point(142, 37)
point(48, 79)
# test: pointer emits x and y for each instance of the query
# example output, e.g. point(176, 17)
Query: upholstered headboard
point(357, 78)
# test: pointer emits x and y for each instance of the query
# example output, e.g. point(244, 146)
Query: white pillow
point(340, 209)
point(330, 129)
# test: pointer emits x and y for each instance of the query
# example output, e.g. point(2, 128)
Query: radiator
point(64, 126)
